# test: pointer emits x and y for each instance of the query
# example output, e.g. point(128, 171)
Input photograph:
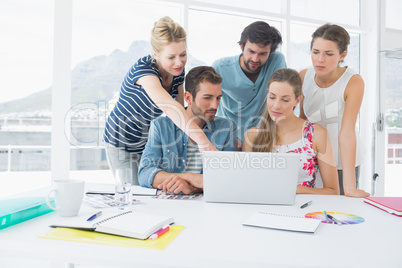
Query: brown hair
point(267, 136)
point(334, 33)
point(260, 32)
point(166, 31)
point(198, 75)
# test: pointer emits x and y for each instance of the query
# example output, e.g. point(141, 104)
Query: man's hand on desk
point(175, 184)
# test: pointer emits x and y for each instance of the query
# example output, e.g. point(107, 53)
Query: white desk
point(214, 237)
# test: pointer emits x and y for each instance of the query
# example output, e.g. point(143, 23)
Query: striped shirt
point(194, 161)
point(128, 123)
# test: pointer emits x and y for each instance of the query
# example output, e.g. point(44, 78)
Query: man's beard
point(247, 64)
point(197, 112)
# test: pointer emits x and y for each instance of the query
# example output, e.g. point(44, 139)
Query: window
point(393, 17)
point(107, 40)
point(393, 124)
point(299, 56)
point(109, 35)
point(26, 28)
point(341, 11)
point(217, 37)
point(271, 6)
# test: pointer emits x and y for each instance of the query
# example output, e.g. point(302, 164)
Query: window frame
point(60, 150)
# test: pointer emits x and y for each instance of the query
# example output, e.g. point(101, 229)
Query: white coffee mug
point(68, 196)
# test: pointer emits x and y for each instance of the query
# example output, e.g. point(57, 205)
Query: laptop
point(250, 177)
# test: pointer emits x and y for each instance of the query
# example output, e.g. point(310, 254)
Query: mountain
point(93, 80)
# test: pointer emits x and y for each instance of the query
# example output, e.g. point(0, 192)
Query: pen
point(94, 216)
point(326, 216)
point(107, 197)
point(307, 204)
point(160, 232)
point(332, 218)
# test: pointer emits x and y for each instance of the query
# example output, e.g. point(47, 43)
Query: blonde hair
point(267, 135)
point(166, 31)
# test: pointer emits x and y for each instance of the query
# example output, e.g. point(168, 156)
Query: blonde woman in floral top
point(281, 131)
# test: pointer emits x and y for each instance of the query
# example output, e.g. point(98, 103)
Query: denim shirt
point(166, 149)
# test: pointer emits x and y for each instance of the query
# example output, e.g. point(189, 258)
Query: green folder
point(13, 211)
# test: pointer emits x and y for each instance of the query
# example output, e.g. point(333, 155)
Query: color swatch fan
point(343, 218)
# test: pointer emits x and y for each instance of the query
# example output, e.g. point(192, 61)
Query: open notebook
point(283, 222)
point(128, 223)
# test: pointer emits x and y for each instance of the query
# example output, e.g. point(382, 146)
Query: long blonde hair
point(266, 139)
point(166, 31)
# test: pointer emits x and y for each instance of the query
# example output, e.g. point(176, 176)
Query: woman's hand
point(356, 193)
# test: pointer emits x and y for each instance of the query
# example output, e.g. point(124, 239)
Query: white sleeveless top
point(325, 106)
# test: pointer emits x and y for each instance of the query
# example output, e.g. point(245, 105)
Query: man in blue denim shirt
point(171, 160)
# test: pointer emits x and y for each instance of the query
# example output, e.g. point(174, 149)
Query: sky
point(27, 56)
point(100, 27)
point(25, 52)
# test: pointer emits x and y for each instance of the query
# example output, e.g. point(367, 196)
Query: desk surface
point(214, 237)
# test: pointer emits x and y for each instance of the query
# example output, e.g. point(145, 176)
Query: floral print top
point(308, 158)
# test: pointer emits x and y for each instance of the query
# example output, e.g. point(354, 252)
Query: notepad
point(136, 190)
point(389, 204)
point(128, 223)
point(283, 222)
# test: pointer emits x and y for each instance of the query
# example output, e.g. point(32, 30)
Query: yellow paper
point(106, 239)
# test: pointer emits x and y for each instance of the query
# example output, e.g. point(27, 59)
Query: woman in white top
point(332, 97)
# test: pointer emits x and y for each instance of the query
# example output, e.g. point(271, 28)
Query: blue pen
point(94, 216)
point(333, 219)
point(326, 216)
